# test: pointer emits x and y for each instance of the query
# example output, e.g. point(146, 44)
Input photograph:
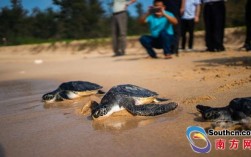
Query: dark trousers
point(174, 6)
point(176, 37)
point(119, 31)
point(248, 33)
point(248, 24)
point(214, 16)
point(163, 41)
point(187, 26)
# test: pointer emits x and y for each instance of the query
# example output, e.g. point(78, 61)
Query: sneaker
point(189, 50)
point(246, 47)
point(181, 50)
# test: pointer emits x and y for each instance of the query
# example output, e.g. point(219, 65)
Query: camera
point(154, 10)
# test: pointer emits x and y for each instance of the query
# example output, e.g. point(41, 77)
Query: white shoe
point(189, 50)
point(181, 50)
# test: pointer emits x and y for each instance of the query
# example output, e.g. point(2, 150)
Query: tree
point(139, 9)
point(12, 21)
point(44, 23)
point(79, 18)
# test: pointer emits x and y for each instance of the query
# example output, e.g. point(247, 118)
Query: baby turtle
point(71, 90)
point(237, 109)
point(136, 100)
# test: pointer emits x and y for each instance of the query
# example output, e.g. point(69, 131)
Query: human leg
point(147, 42)
point(177, 33)
point(183, 33)
point(190, 30)
point(165, 40)
point(208, 27)
point(248, 26)
point(115, 35)
point(122, 24)
point(218, 24)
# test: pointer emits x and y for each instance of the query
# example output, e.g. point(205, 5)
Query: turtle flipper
point(101, 92)
point(89, 106)
point(148, 109)
point(62, 95)
point(160, 99)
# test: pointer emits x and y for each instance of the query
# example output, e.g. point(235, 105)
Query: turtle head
point(208, 113)
point(99, 111)
point(215, 113)
point(49, 97)
point(211, 115)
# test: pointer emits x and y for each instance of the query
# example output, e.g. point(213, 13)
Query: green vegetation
point(78, 19)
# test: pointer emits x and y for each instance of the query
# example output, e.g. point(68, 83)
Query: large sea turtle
point(136, 100)
point(237, 112)
point(71, 90)
point(237, 109)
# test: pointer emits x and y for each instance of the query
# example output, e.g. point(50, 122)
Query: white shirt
point(119, 5)
point(190, 9)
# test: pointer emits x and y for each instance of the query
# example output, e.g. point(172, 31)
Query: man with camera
point(161, 27)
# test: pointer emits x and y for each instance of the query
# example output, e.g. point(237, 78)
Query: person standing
point(190, 16)
point(214, 18)
point(119, 26)
point(176, 7)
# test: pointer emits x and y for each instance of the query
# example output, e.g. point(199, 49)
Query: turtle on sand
point(237, 112)
point(136, 100)
point(71, 90)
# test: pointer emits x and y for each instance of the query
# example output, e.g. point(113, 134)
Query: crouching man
point(161, 27)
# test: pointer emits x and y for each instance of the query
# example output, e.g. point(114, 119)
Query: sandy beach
point(30, 128)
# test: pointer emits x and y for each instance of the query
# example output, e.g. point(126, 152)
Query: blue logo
point(199, 133)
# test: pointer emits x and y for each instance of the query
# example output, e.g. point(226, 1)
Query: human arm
point(171, 19)
point(143, 18)
point(130, 2)
point(197, 13)
point(182, 7)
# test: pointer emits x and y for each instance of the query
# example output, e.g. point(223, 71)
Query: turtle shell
point(133, 91)
point(79, 86)
point(241, 105)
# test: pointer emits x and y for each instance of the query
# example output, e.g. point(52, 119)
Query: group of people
point(169, 20)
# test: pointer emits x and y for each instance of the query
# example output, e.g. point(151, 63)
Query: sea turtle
point(237, 109)
point(71, 90)
point(136, 100)
point(237, 112)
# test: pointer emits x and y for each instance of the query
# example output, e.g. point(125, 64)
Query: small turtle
point(136, 100)
point(237, 109)
point(71, 90)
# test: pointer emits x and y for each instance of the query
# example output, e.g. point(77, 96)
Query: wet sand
point(31, 128)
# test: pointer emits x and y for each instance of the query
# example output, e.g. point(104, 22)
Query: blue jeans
point(163, 41)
